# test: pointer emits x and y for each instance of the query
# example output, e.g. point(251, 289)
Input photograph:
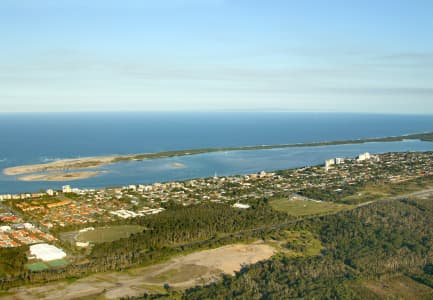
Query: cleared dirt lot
point(180, 272)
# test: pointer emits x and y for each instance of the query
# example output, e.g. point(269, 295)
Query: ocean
point(37, 138)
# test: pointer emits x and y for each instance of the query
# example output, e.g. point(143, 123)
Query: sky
point(216, 55)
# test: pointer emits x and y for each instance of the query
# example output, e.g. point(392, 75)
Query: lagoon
point(216, 163)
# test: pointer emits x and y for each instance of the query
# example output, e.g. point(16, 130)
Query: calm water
point(35, 138)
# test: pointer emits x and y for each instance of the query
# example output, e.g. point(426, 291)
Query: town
point(29, 219)
point(74, 206)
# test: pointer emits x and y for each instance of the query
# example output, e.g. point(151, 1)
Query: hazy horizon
point(218, 111)
point(213, 55)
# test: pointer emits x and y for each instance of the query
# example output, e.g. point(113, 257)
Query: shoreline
point(98, 161)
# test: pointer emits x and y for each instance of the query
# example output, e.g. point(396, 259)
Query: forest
point(378, 242)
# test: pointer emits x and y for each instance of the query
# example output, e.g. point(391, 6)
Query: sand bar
point(66, 176)
point(64, 164)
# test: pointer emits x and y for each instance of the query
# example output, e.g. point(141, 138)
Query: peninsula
point(98, 161)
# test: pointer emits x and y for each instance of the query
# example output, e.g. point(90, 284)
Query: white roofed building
point(240, 205)
point(46, 252)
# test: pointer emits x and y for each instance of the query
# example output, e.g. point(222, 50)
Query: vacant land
point(300, 243)
point(108, 234)
point(229, 258)
point(303, 207)
point(378, 191)
point(180, 272)
point(400, 287)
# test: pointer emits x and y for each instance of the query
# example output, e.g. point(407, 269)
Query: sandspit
point(64, 164)
point(67, 176)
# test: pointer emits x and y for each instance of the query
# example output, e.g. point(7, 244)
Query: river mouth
point(207, 165)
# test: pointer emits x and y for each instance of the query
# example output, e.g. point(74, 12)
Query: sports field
point(58, 263)
point(39, 266)
point(108, 234)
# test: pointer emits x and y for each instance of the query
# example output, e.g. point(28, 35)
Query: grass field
point(108, 234)
point(58, 263)
point(379, 191)
point(37, 267)
point(399, 287)
point(298, 207)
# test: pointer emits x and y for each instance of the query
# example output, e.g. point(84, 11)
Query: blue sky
point(275, 55)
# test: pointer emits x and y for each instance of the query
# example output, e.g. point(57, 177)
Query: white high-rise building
point(329, 163)
point(66, 189)
point(339, 161)
point(364, 156)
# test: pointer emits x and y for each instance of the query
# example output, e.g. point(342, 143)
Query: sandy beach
point(64, 164)
point(67, 176)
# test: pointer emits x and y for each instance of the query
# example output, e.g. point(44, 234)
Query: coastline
point(61, 166)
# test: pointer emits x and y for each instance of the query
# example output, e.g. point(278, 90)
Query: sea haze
point(38, 138)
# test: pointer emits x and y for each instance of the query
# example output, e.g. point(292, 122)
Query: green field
point(37, 267)
point(298, 207)
point(399, 287)
point(58, 263)
point(108, 234)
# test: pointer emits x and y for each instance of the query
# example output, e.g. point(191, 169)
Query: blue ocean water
point(36, 138)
